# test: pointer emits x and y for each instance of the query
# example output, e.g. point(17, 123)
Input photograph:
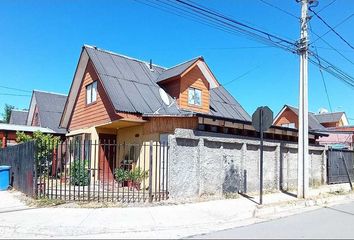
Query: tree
point(7, 113)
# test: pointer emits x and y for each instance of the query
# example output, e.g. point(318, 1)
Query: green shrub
point(137, 175)
point(121, 174)
point(79, 174)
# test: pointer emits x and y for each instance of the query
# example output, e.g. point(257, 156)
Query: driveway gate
point(336, 172)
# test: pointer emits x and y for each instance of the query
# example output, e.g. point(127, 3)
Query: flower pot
point(130, 184)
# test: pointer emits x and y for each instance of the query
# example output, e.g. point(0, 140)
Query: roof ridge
point(287, 105)
point(19, 110)
point(122, 55)
point(327, 113)
point(41, 91)
point(179, 64)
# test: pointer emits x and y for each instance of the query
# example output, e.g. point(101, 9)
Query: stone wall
point(204, 163)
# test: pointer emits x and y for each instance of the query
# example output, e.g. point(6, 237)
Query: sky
point(40, 44)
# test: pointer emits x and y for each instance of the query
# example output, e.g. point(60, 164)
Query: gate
point(21, 158)
point(336, 172)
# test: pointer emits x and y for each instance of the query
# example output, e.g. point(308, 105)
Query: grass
point(46, 202)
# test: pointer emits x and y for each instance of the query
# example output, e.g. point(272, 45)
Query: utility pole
point(303, 140)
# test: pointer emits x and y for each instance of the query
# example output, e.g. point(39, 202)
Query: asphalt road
point(329, 222)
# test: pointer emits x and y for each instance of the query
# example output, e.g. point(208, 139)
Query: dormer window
point(91, 93)
point(194, 96)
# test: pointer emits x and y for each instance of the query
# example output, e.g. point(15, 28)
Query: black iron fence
point(21, 159)
point(89, 171)
point(339, 165)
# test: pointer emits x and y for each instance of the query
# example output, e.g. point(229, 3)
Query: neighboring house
point(8, 132)
point(336, 119)
point(45, 111)
point(332, 124)
point(18, 117)
point(289, 116)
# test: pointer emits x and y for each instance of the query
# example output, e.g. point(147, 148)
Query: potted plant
point(121, 175)
point(136, 176)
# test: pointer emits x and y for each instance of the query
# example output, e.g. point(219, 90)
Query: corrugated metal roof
point(176, 70)
point(132, 87)
point(50, 108)
point(314, 124)
point(24, 128)
point(329, 117)
point(223, 104)
point(18, 117)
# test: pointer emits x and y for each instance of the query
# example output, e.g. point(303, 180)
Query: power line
point(332, 29)
point(280, 9)
point(16, 89)
point(327, 6)
point(331, 47)
point(241, 76)
point(343, 21)
point(15, 95)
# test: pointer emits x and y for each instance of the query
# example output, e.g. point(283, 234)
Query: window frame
point(89, 87)
point(194, 103)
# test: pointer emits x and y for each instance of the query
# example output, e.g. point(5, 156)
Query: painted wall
point(204, 163)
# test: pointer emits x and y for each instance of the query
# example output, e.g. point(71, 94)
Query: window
point(91, 93)
point(288, 125)
point(194, 96)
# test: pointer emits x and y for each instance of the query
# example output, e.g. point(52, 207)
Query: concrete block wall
point(204, 163)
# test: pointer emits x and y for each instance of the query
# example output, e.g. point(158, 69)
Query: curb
point(266, 211)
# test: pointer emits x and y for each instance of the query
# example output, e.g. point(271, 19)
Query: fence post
point(35, 165)
point(150, 170)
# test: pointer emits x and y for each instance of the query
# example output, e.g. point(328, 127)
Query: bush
point(121, 174)
point(79, 174)
point(137, 174)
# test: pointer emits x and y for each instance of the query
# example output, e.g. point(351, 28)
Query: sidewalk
point(170, 221)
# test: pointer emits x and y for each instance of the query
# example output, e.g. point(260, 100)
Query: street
point(328, 222)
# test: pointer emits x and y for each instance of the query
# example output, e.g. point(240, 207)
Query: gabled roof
point(314, 124)
point(329, 117)
point(18, 117)
point(133, 87)
point(50, 108)
point(177, 70)
point(223, 104)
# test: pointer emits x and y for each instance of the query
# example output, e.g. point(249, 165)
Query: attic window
point(91, 93)
point(194, 96)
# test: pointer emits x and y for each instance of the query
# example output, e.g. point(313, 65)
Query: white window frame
point(91, 92)
point(192, 100)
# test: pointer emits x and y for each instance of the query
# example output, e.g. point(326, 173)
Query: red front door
point(107, 157)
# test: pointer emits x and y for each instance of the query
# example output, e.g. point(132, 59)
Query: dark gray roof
point(50, 108)
point(329, 117)
point(176, 70)
point(314, 124)
point(223, 104)
point(132, 87)
point(18, 117)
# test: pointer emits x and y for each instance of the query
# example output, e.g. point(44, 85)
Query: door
point(107, 157)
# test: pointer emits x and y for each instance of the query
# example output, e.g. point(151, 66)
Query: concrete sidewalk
point(170, 221)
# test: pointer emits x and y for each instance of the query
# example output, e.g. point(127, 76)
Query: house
point(45, 111)
point(288, 117)
point(8, 132)
point(120, 100)
point(334, 125)
point(18, 117)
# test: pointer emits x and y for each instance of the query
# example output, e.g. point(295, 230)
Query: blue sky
point(41, 41)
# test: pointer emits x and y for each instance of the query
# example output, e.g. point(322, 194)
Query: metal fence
point(337, 162)
point(102, 171)
point(21, 158)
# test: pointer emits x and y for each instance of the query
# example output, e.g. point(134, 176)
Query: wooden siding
point(99, 112)
point(288, 116)
point(169, 124)
point(173, 88)
point(194, 78)
point(35, 118)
